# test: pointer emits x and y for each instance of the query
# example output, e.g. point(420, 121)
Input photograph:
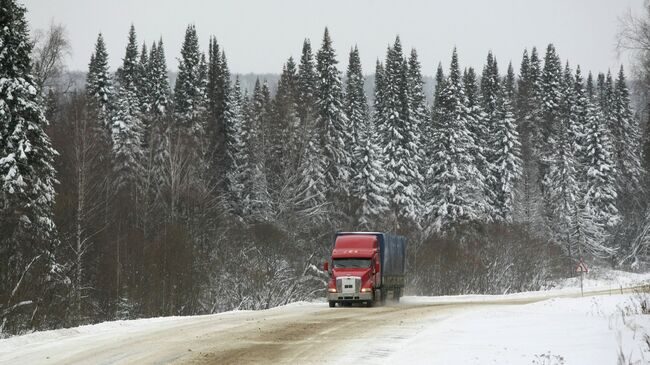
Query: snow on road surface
point(549, 327)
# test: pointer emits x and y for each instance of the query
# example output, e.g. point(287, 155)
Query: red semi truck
point(365, 268)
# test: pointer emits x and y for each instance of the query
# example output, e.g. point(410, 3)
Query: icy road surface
point(554, 327)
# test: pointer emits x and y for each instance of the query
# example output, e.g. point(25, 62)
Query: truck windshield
point(351, 263)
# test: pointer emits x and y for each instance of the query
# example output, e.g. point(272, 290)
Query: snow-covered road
point(554, 327)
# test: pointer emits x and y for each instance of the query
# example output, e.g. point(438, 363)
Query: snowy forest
point(135, 197)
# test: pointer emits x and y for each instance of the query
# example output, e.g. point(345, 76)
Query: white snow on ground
point(468, 329)
point(604, 278)
point(588, 330)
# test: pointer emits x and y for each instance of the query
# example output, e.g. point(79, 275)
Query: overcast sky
point(259, 35)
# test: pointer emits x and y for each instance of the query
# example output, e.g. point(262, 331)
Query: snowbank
point(556, 331)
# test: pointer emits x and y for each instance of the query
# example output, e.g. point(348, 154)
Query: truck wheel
point(370, 304)
point(332, 304)
point(396, 294)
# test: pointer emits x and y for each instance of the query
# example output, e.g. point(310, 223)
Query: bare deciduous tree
point(51, 47)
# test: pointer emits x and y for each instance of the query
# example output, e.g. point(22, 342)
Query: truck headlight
point(366, 290)
point(331, 290)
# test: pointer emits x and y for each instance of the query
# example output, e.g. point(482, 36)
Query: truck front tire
point(332, 304)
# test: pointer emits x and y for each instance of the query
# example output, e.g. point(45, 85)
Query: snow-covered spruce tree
point(600, 212)
point(455, 182)
point(590, 88)
point(478, 126)
point(311, 163)
point(378, 102)
point(563, 193)
point(534, 104)
point(580, 119)
point(190, 90)
point(306, 93)
point(419, 118)
point(99, 88)
point(27, 178)
point(332, 121)
point(399, 140)
point(529, 202)
point(127, 134)
point(142, 85)
point(490, 92)
point(506, 153)
point(218, 86)
point(237, 169)
point(159, 83)
point(563, 190)
point(552, 91)
point(128, 74)
point(626, 140)
point(368, 184)
point(436, 115)
point(159, 94)
point(440, 83)
point(256, 138)
point(486, 136)
point(356, 104)
point(127, 127)
point(283, 128)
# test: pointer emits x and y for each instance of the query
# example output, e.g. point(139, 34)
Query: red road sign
point(581, 267)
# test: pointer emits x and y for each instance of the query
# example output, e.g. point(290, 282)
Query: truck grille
point(348, 284)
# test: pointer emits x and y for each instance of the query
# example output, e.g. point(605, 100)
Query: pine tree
point(190, 88)
point(237, 168)
point(159, 82)
point(626, 138)
point(436, 114)
point(563, 190)
point(129, 73)
point(418, 116)
point(217, 89)
point(284, 134)
point(369, 182)
point(159, 94)
point(256, 156)
point(306, 93)
point(99, 87)
point(127, 137)
point(506, 163)
point(479, 128)
point(127, 127)
point(368, 185)
point(356, 104)
point(486, 135)
point(456, 184)
point(311, 163)
point(331, 120)
point(563, 193)
point(590, 88)
point(529, 204)
point(143, 81)
point(524, 92)
point(399, 139)
point(27, 178)
point(580, 119)
point(552, 94)
point(600, 212)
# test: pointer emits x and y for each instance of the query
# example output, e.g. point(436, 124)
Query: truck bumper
point(349, 297)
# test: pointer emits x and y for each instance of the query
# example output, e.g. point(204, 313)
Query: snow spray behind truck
point(365, 268)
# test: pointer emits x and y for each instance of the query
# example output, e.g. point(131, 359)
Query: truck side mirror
point(377, 267)
point(326, 266)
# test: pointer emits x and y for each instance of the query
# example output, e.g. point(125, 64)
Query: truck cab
point(357, 274)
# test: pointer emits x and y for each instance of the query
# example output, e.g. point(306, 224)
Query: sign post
point(582, 269)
